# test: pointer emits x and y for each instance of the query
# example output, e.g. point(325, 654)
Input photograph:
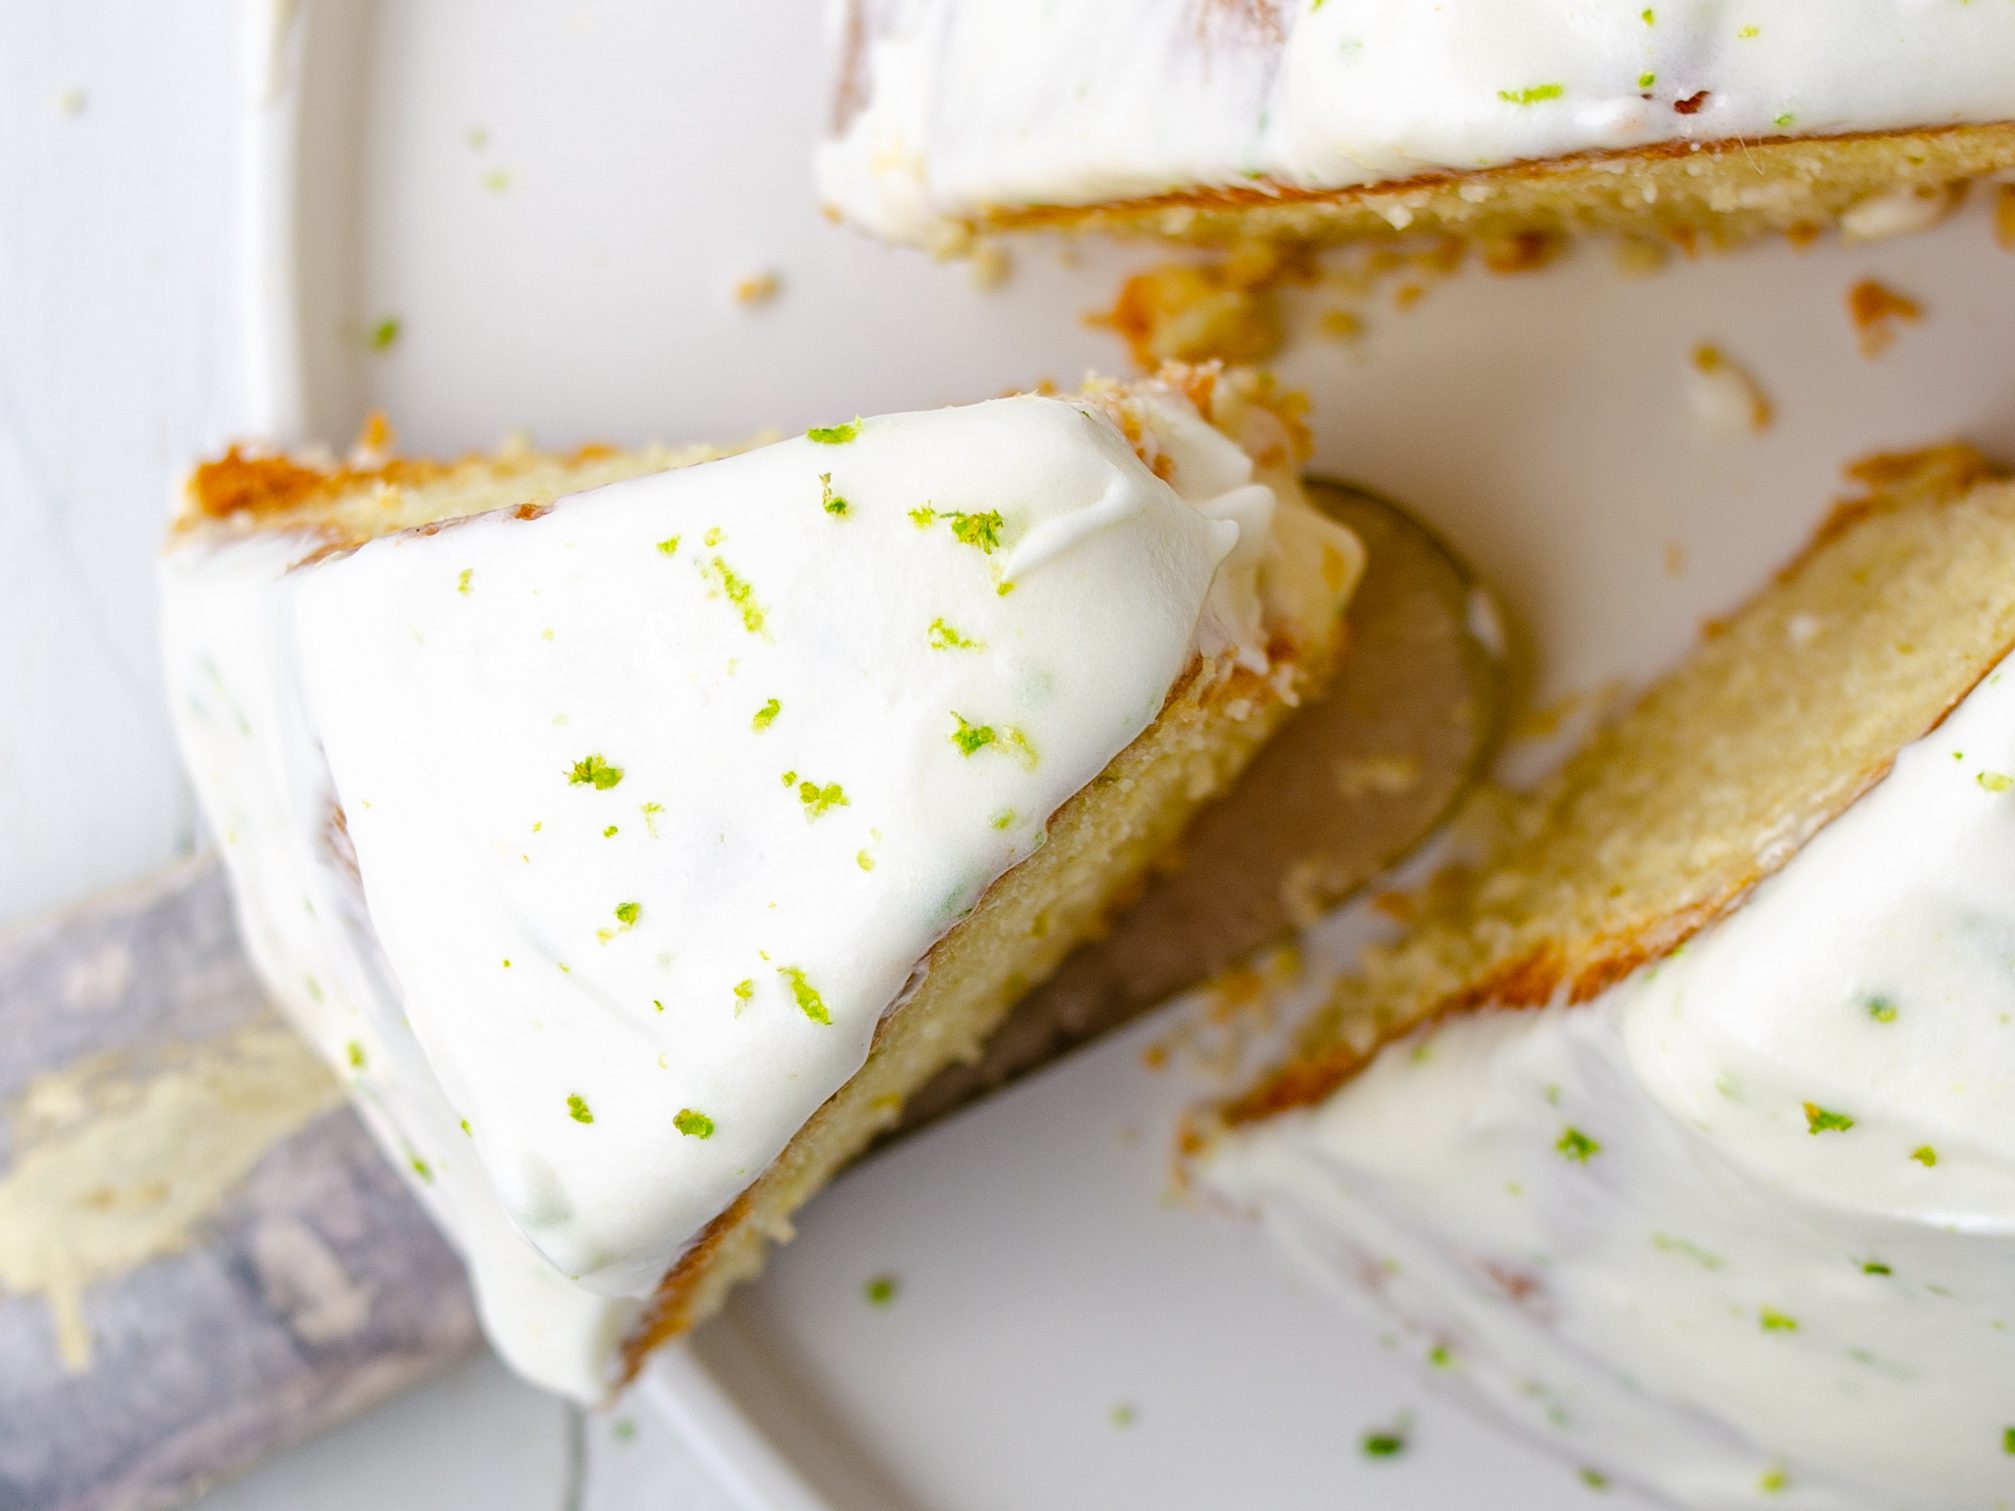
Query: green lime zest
point(943, 637)
point(971, 738)
point(1575, 1145)
point(1536, 94)
point(577, 1108)
point(693, 1124)
point(830, 501)
point(818, 801)
point(1819, 1120)
point(835, 435)
point(809, 1002)
point(593, 771)
point(766, 715)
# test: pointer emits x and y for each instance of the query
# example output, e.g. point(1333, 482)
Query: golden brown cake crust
point(1711, 193)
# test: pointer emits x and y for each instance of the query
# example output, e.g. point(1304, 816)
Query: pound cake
point(1333, 120)
point(634, 831)
point(1682, 1129)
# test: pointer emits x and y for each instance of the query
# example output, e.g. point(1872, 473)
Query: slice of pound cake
point(1330, 120)
point(633, 832)
point(1696, 1146)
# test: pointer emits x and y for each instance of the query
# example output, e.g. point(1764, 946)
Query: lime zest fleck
point(2008, 1440)
point(1575, 1145)
point(1819, 1120)
point(1534, 95)
point(943, 637)
point(1594, 1478)
point(1440, 1356)
point(1773, 1481)
point(1749, 31)
point(385, 333)
point(467, 1129)
point(577, 1108)
point(1925, 1155)
point(744, 990)
point(693, 1124)
point(864, 860)
point(462, 582)
point(766, 715)
point(610, 832)
point(835, 435)
point(1123, 1415)
point(714, 536)
point(1774, 1321)
point(651, 812)
point(922, 516)
point(627, 913)
point(1995, 781)
point(732, 585)
point(971, 738)
point(818, 801)
point(981, 530)
point(669, 546)
point(1784, 120)
point(355, 1051)
point(422, 1169)
point(881, 1290)
point(1384, 1442)
point(1875, 1267)
point(1004, 819)
point(657, 1004)
point(1881, 1009)
point(1646, 80)
point(807, 997)
point(830, 501)
point(593, 771)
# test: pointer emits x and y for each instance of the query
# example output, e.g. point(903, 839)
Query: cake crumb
point(989, 266)
point(1525, 252)
point(2004, 217)
point(1340, 325)
point(1640, 256)
point(1193, 312)
point(1876, 310)
point(1725, 394)
point(756, 288)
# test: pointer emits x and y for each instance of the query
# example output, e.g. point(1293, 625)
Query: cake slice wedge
point(1682, 1128)
point(633, 837)
point(1230, 120)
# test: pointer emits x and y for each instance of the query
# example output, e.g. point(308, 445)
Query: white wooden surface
point(120, 358)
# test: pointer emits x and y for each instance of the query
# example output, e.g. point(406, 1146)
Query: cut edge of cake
point(1786, 712)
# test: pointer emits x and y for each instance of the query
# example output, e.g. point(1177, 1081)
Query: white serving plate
point(553, 202)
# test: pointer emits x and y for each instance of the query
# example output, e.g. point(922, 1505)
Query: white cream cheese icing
point(1741, 1229)
point(591, 847)
point(950, 107)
